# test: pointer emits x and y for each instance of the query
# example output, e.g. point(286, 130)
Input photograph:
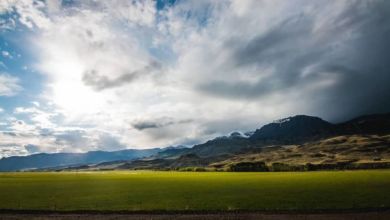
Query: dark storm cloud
point(363, 63)
point(100, 81)
point(353, 49)
point(275, 43)
point(9, 133)
point(145, 125)
point(157, 123)
point(284, 48)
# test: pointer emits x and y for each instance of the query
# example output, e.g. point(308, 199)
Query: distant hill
point(294, 130)
point(171, 151)
point(231, 144)
point(302, 128)
point(44, 160)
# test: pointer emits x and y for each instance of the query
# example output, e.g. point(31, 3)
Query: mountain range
point(44, 160)
point(294, 140)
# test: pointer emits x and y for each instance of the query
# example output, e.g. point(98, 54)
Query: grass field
point(195, 191)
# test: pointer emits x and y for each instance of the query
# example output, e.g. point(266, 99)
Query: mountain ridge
point(295, 130)
point(44, 160)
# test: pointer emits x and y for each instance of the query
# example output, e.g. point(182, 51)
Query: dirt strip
point(206, 216)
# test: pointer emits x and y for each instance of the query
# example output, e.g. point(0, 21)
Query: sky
point(77, 76)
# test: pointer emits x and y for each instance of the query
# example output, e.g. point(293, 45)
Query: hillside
point(348, 149)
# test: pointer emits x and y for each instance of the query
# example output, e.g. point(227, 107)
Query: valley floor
point(195, 191)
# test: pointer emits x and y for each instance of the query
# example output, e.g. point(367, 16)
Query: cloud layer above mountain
point(156, 73)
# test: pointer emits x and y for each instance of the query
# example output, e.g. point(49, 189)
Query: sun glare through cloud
point(148, 74)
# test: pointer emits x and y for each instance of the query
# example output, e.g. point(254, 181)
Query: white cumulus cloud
point(9, 85)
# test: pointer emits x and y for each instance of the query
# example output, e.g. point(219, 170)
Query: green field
point(145, 190)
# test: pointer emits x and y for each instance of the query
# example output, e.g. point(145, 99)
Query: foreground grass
point(195, 191)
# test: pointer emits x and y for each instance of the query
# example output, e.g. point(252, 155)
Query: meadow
point(149, 190)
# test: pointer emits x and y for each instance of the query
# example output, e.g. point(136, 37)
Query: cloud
point(29, 12)
point(7, 24)
point(9, 85)
point(12, 143)
point(86, 140)
point(11, 150)
point(126, 74)
point(54, 6)
point(6, 6)
point(157, 123)
point(230, 67)
point(146, 125)
point(101, 81)
point(109, 142)
point(24, 138)
point(41, 118)
point(3, 65)
point(21, 126)
point(37, 104)
point(142, 13)
point(312, 52)
point(32, 149)
point(6, 54)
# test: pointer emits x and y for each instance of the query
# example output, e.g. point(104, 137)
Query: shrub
point(192, 169)
point(276, 167)
point(200, 169)
point(248, 166)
